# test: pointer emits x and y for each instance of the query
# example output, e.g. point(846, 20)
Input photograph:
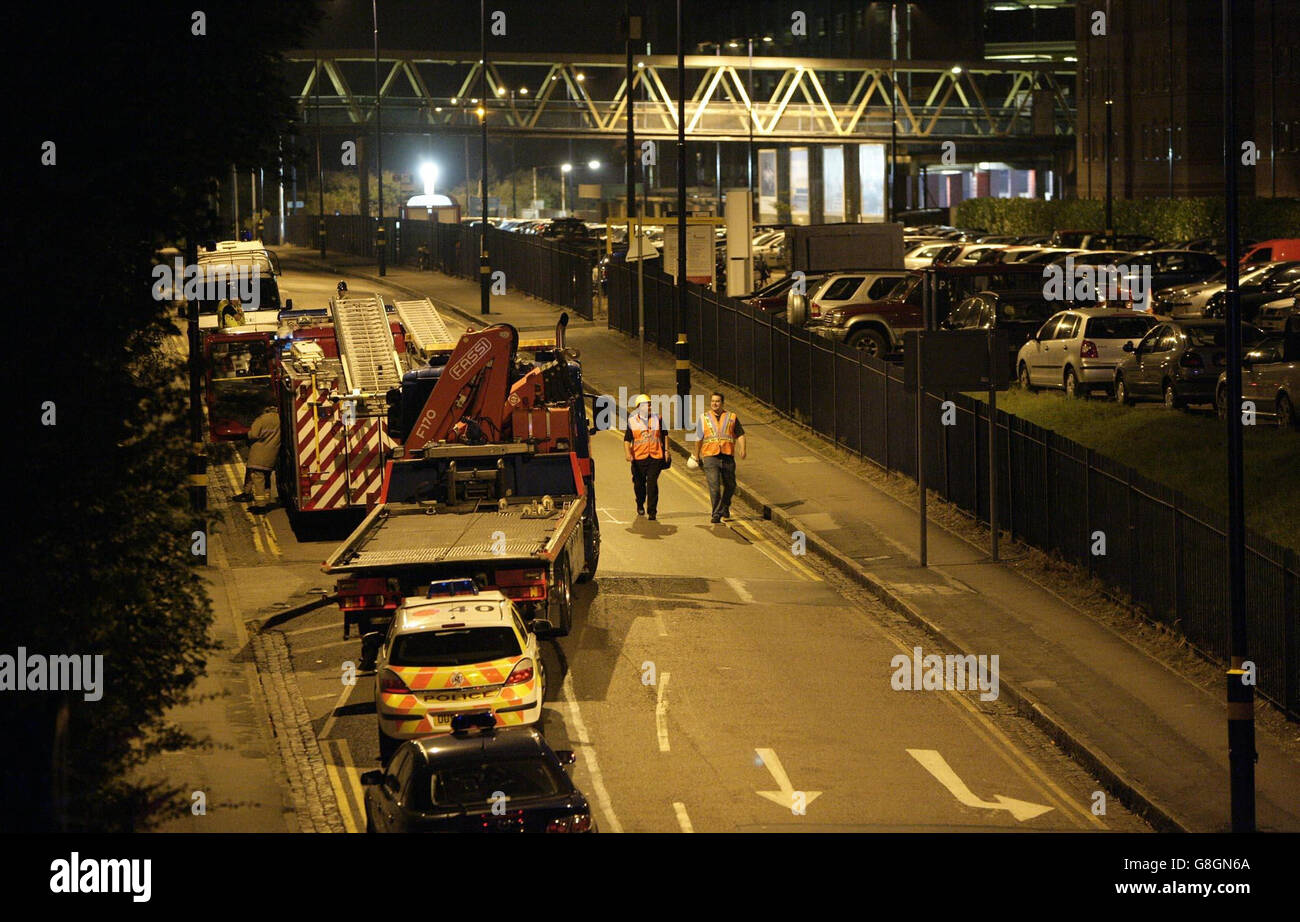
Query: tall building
point(1160, 63)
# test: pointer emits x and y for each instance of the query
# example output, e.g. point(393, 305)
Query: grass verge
point(1186, 450)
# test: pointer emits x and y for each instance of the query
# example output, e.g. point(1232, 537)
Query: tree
point(146, 113)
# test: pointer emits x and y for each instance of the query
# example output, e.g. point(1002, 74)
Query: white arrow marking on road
point(785, 796)
point(934, 763)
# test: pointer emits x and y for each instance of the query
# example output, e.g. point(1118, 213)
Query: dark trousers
point(251, 472)
point(720, 471)
point(645, 483)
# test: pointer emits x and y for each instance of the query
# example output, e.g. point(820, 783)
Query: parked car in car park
point(1177, 362)
point(1271, 251)
point(1264, 286)
point(1270, 380)
point(772, 299)
point(840, 290)
point(921, 256)
point(1076, 350)
point(1273, 316)
point(1019, 314)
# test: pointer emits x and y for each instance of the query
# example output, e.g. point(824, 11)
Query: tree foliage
point(146, 118)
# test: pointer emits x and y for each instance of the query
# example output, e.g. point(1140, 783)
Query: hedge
point(1162, 218)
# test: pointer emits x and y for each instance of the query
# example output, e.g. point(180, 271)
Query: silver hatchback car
point(1077, 350)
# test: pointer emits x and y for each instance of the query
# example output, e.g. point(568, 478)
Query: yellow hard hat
point(640, 399)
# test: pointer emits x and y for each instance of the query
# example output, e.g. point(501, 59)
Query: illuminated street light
point(428, 175)
point(566, 167)
point(593, 164)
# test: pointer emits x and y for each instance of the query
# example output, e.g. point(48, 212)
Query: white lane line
point(683, 820)
point(661, 712)
point(609, 515)
point(309, 630)
point(740, 590)
point(583, 741)
point(316, 648)
point(659, 621)
point(342, 700)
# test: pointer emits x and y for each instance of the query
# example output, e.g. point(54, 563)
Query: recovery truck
point(494, 481)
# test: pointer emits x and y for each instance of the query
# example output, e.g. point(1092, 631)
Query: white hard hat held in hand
point(692, 463)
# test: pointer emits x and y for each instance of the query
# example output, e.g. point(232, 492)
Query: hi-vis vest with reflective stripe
point(717, 440)
point(646, 438)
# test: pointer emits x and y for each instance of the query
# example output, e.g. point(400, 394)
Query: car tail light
point(578, 822)
point(390, 683)
point(523, 672)
point(1088, 349)
point(815, 309)
point(1191, 360)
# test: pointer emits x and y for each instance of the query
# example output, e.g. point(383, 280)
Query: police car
point(458, 650)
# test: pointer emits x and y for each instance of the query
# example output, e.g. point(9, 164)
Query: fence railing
point(541, 268)
point(1166, 552)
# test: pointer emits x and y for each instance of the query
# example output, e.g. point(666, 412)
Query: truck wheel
point(560, 610)
point(870, 343)
point(590, 537)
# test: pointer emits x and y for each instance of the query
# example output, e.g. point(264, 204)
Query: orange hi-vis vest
point(646, 438)
point(718, 439)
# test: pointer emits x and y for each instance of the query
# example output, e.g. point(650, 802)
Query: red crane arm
point(474, 383)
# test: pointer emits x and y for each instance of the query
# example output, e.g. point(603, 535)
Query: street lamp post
point(1240, 692)
point(379, 147)
point(683, 346)
point(484, 268)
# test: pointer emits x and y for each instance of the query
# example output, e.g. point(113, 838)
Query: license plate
point(442, 720)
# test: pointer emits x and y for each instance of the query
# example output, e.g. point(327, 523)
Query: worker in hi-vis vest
point(720, 439)
point(646, 445)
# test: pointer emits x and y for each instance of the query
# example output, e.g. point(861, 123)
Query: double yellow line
point(263, 534)
point(346, 780)
point(768, 548)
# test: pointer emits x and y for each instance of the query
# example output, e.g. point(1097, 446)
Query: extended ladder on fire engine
point(366, 348)
point(425, 329)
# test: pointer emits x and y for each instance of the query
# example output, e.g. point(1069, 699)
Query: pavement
point(1122, 713)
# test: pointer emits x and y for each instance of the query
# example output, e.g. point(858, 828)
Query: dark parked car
point(1178, 362)
point(772, 298)
point(1270, 379)
point(1169, 268)
point(486, 781)
point(1269, 285)
point(1018, 313)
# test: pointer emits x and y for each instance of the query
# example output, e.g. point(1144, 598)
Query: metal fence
point(1164, 551)
point(538, 267)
